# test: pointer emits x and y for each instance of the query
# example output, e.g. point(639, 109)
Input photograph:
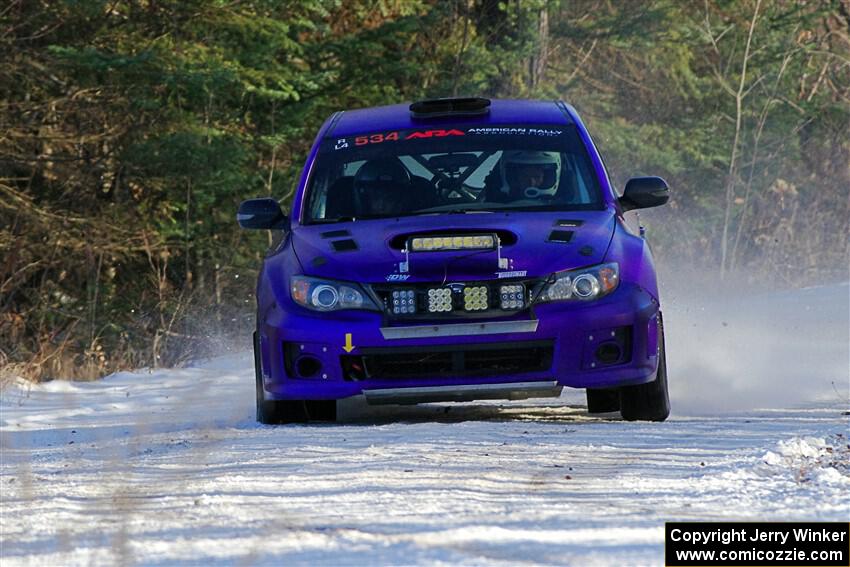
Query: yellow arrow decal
point(348, 346)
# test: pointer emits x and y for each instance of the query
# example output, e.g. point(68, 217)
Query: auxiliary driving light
point(464, 242)
point(439, 300)
point(475, 298)
point(512, 296)
point(404, 301)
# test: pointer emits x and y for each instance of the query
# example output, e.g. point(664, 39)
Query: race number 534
point(376, 139)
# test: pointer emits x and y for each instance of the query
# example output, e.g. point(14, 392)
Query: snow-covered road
point(168, 467)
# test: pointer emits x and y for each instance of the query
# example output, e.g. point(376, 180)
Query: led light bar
point(512, 296)
point(403, 301)
point(475, 298)
point(439, 300)
point(460, 242)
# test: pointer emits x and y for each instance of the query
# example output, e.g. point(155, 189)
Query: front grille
point(448, 361)
point(457, 300)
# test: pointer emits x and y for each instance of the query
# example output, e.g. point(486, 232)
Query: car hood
point(534, 244)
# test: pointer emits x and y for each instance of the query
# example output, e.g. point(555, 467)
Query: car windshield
point(451, 170)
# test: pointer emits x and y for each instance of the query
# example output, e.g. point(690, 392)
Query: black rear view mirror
point(264, 213)
point(644, 192)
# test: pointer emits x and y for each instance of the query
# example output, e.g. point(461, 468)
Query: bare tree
point(739, 94)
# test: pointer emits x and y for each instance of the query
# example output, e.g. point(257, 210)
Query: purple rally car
point(452, 250)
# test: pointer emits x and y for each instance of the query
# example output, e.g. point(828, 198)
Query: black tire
point(603, 400)
point(650, 401)
point(272, 412)
point(267, 412)
point(296, 411)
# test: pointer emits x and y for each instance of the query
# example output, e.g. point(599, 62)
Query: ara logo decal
point(397, 277)
point(434, 134)
point(342, 143)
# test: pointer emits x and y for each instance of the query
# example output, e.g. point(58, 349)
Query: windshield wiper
point(331, 221)
point(453, 212)
point(410, 214)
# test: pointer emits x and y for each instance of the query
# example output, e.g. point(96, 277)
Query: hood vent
point(347, 245)
point(560, 236)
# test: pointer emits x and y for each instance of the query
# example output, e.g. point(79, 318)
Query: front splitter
point(464, 393)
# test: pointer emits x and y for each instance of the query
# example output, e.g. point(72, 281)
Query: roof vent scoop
point(440, 107)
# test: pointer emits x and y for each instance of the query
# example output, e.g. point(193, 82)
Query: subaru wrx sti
point(455, 250)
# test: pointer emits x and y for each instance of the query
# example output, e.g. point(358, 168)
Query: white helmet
point(530, 174)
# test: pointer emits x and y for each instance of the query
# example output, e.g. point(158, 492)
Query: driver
point(381, 186)
point(528, 175)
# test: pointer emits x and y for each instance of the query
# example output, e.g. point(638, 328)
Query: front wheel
point(288, 411)
point(296, 411)
point(603, 400)
point(650, 401)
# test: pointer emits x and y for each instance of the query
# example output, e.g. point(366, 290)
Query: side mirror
point(644, 192)
point(262, 213)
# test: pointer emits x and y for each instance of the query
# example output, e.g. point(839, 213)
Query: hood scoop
point(434, 252)
point(506, 237)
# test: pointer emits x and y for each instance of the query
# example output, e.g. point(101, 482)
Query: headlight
point(326, 295)
point(583, 285)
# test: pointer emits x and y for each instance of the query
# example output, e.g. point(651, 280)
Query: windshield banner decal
point(407, 135)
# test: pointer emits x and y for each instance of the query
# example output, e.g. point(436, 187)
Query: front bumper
point(307, 355)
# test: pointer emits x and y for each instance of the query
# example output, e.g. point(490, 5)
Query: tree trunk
point(537, 62)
